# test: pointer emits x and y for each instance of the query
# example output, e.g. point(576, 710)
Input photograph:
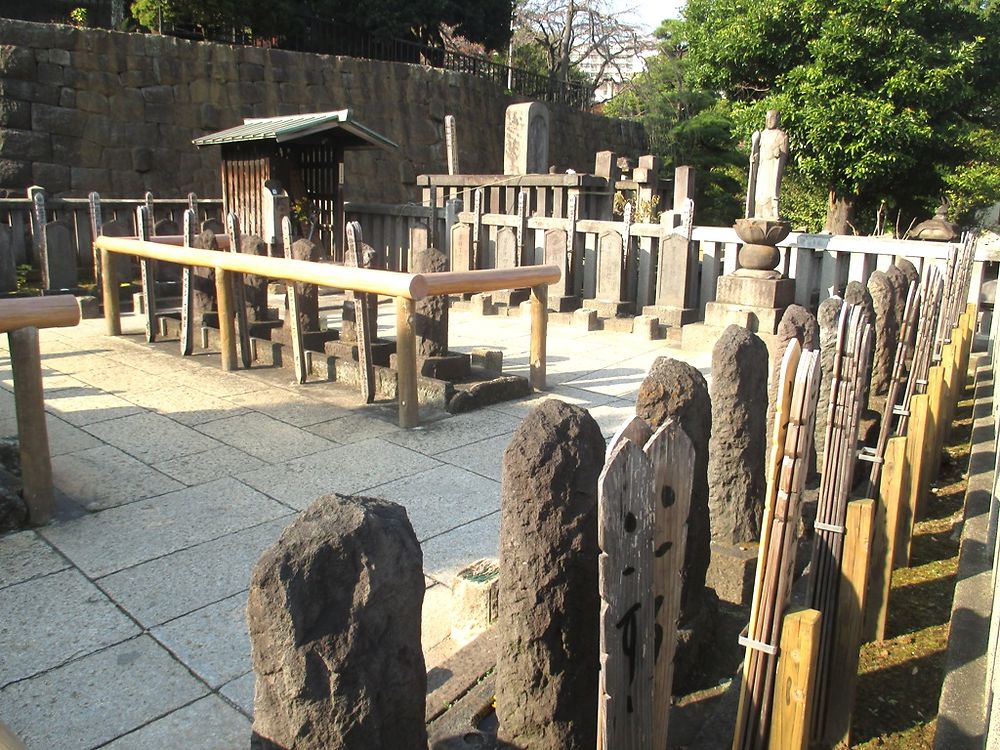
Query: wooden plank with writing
point(187, 291)
point(362, 315)
point(239, 292)
point(672, 455)
point(147, 271)
point(625, 537)
point(295, 323)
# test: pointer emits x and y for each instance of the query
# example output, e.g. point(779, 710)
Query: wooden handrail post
point(32, 434)
point(227, 323)
point(109, 290)
point(897, 527)
point(406, 363)
point(796, 680)
point(850, 615)
point(539, 333)
point(936, 395)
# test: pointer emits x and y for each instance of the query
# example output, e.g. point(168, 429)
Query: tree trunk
point(840, 214)
point(566, 42)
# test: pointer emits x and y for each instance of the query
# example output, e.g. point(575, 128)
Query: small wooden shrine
point(293, 164)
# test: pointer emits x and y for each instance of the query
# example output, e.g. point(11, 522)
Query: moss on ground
point(899, 682)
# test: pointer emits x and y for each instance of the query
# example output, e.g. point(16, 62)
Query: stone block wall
point(86, 109)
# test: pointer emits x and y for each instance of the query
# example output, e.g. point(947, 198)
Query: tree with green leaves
point(686, 126)
point(486, 22)
point(885, 101)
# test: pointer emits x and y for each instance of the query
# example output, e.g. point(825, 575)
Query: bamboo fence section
point(852, 368)
point(795, 412)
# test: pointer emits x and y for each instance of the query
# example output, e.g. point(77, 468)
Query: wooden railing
point(404, 287)
point(20, 319)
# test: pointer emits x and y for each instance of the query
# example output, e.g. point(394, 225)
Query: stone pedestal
point(750, 301)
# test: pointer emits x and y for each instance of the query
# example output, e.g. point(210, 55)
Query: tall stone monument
point(756, 295)
point(526, 139)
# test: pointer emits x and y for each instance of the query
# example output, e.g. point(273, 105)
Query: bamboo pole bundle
point(904, 350)
point(851, 370)
point(929, 299)
point(795, 412)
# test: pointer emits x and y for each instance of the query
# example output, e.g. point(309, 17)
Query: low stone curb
point(961, 720)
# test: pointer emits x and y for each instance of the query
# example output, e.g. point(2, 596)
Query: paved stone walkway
point(122, 622)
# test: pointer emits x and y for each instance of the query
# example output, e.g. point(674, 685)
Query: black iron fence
point(323, 36)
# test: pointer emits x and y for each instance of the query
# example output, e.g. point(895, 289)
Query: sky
point(651, 12)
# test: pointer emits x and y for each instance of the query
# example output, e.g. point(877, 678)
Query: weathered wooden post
point(365, 312)
point(32, 433)
point(187, 290)
point(539, 333)
point(293, 319)
point(843, 674)
point(406, 363)
point(796, 681)
point(227, 321)
point(239, 292)
point(147, 270)
point(895, 526)
point(109, 291)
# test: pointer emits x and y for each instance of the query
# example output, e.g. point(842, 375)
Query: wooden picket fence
point(877, 541)
point(644, 496)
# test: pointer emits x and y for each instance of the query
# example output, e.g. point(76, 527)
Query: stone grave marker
point(886, 332)
point(900, 288)
point(203, 282)
point(526, 139)
point(547, 671)
point(61, 256)
point(255, 287)
point(909, 270)
point(334, 619)
point(738, 443)
point(828, 319)
point(610, 268)
point(796, 323)
point(8, 266)
point(430, 320)
point(166, 271)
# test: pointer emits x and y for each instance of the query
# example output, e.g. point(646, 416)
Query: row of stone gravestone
point(334, 607)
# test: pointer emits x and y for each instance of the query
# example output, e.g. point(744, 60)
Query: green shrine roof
point(293, 127)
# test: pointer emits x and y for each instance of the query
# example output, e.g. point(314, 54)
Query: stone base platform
point(731, 572)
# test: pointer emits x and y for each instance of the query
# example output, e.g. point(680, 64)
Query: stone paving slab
point(183, 581)
point(436, 437)
point(265, 437)
point(51, 620)
point(104, 477)
point(63, 437)
point(446, 554)
point(212, 641)
point(207, 724)
point(288, 407)
point(441, 498)
point(484, 457)
point(184, 405)
point(95, 699)
point(83, 406)
point(202, 467)
point(152, 438)
point(25, 555)
point(348, 469)
point(240, 692)
point(355, 427)
point(127, 535)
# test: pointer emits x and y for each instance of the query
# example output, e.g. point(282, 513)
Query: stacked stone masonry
point(85, 109)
